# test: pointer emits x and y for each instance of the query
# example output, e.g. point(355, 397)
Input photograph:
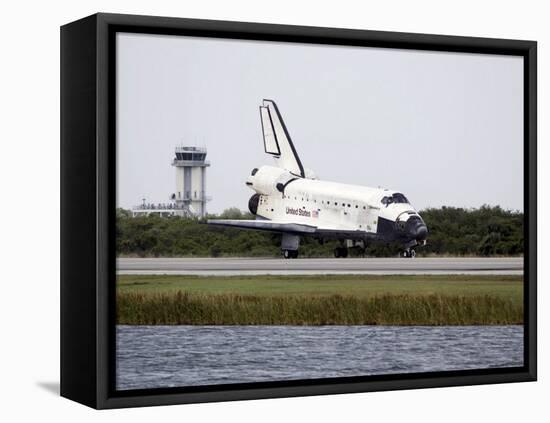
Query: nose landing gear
point(409, 253)
point(409, 249)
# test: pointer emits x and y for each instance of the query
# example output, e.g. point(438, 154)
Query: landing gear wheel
point(344, 252)
point(409, 253)
point(288, 254)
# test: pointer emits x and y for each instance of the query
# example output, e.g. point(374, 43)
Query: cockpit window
point(397, 198)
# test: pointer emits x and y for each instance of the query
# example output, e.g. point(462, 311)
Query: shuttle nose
point(417, 229)
point(421, 232)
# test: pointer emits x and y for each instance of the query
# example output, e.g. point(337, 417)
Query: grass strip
point(502, 286)
point(184, 308)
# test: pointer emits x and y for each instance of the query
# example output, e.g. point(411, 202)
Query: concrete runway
point(305, 266)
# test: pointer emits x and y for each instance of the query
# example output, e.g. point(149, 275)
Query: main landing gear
point(289, 245)
point(288, 254)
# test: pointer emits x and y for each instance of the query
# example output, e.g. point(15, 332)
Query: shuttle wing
point(266, 225)
point(292, 228)
point(277, 141)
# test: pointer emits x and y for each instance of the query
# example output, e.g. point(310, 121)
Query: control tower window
point(197, 156)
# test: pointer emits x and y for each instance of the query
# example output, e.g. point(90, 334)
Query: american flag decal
point(314, 213)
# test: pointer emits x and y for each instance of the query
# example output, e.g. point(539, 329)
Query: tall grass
point(182, 308)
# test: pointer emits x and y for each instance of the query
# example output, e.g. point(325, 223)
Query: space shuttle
point(290, 200)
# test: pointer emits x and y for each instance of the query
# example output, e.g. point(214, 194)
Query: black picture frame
point(88, 209)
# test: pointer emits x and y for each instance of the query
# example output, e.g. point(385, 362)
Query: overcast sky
point(443, 128)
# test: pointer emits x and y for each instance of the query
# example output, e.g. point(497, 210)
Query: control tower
point(190, 196)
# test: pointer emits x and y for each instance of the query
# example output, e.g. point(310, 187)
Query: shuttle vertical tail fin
point(277, 141)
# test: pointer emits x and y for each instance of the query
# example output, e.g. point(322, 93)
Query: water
point(175, 356)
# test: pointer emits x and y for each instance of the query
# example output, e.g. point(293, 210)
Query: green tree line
point(485, 231)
